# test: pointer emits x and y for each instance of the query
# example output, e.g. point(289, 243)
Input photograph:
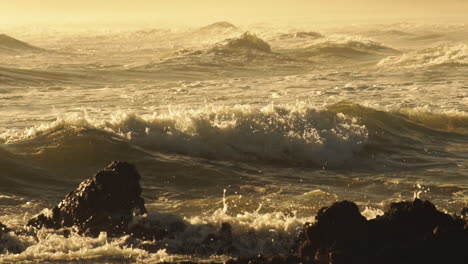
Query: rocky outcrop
point(104, 203)
point(409, 232)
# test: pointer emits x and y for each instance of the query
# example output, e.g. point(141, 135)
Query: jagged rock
point(417, 232)
point(409, 232)
point(338, 226)
point(103, 203)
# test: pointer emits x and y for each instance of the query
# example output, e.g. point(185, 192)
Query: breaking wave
point(245, 41)
point(443, 55)
point(297, 134)
point(344, 47)
point(286, 134)
point(243, 55)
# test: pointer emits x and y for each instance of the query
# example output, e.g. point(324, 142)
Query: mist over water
point(258, 126)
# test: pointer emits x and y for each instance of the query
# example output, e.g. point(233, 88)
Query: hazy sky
point(202, 11)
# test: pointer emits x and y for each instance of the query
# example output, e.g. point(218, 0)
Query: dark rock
point(3, 228)
point(409, 232)
point(267, 259)
point(339, 227)
point(464, 212)
point(103, 203)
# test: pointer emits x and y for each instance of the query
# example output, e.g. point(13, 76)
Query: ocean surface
point(258, 126)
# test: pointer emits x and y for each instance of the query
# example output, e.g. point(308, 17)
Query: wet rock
point(104, 203)
point(339, 227)
point(409, 232)
point(418, 233)
point(3, 228)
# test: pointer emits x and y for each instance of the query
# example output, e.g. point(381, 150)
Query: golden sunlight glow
point(202, 11)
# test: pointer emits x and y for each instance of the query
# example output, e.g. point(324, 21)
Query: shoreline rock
point(104, 203)
point(408, 232)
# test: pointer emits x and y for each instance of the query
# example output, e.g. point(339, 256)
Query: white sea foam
point(52, 246)
point(448, 54)
point(291, 133)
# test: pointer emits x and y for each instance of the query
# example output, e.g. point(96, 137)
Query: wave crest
point(454, 54)
point(297, 134)
point(343, 46)
point(245, 41)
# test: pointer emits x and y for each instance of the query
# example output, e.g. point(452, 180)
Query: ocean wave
point(301, 35)
point(217, 26)
point(388, 33)
point(404, 121)
point(448, 120)
point(245, 41)
point(442, 55)
point(343, 46)
point(12, 45)
point(246, 54)
point(289, 134)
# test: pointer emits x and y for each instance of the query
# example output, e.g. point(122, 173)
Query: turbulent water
point(256, 126)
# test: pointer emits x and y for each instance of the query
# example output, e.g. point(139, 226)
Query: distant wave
point(301, 35)
point(245, 41)
point(33, 77)
point(12, 45)
point(442, 55)
point(242, 55)
point(221, 25)
point(343, 47)
point(388, 33)
point(430, 36)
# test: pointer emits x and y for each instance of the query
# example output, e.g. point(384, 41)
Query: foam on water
point(51, 246)
point(448, 54)
point(253, 232)
point(352, 41)
point(339, 46)
point(279, 162)
point(295, 134)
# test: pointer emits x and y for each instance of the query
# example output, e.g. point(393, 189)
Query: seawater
point(257, 129)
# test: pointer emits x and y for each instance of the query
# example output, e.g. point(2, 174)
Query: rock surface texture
point(104, 203)
point(409, 232)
